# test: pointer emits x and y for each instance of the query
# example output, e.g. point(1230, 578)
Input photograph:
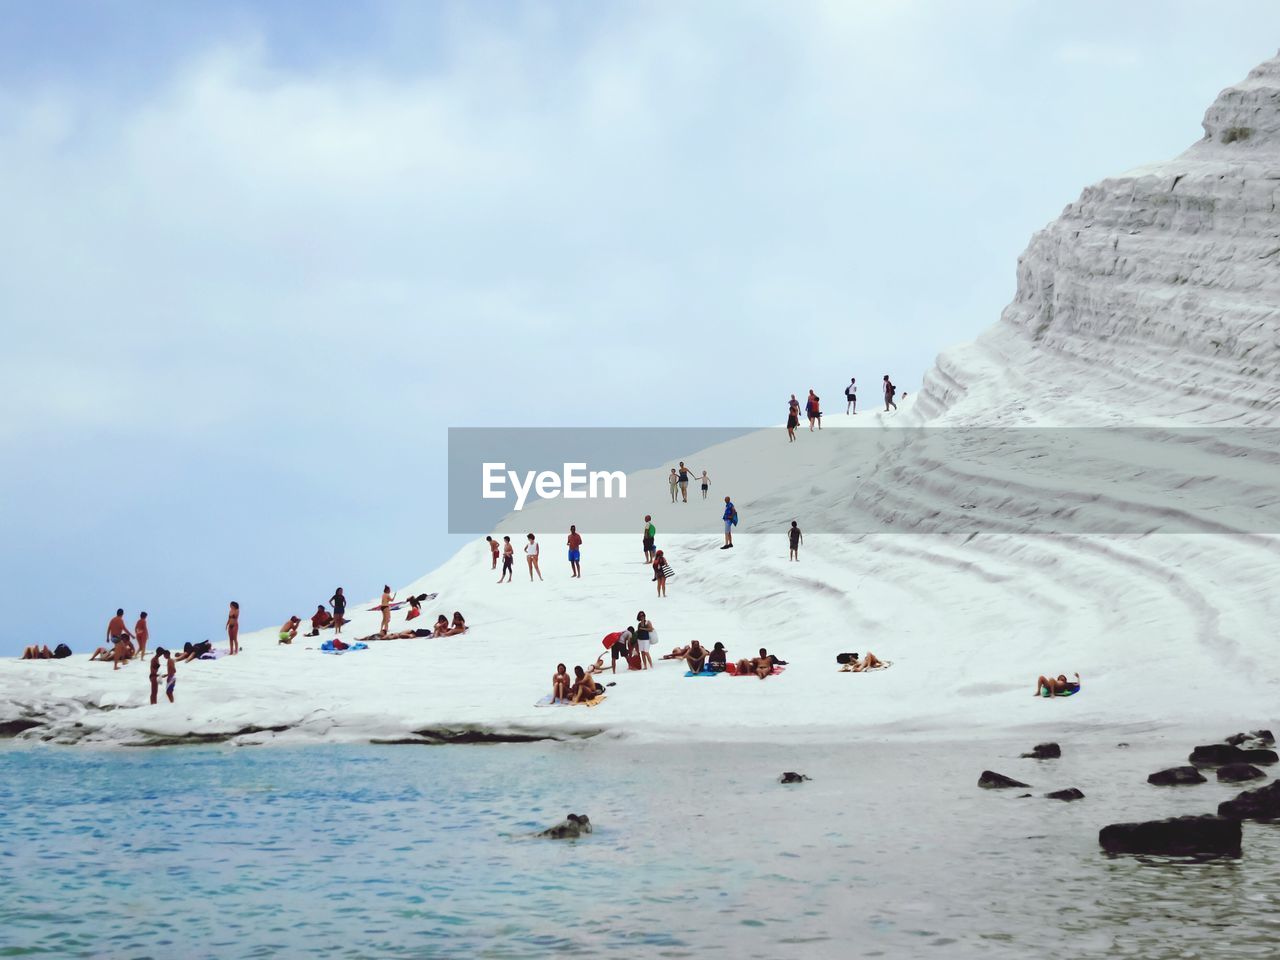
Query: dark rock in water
point(1239, 772)
point(1177, 837)
point(998, 781)
point(572, 827)
point(1216, 754)
point(1071, 793)
point(1044, 751)
point(1264, 737)
point(1260, 804)
point(1122, 746)
point(1024, 796)
point(792, 777)
point(1176, 777)
point(1258, 755)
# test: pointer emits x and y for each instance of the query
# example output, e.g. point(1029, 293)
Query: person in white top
point(531, 557)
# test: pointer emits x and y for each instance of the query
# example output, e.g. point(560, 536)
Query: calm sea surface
point(407, 851)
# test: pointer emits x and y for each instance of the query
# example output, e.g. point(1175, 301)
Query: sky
point(257, 258)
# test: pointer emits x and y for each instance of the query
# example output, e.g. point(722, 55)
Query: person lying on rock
point(319, 620)
point(441, 629)
point(193, 651)
point(1056, 686)
point(696, 657)
point(36, 652)
point(869, 662)
point(677, 653)
point(597, 667)
point(458, 626)
point(119, 652)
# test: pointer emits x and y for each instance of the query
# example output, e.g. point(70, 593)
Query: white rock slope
point(1150, 303)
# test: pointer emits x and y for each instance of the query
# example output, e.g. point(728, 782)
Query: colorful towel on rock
point(327, 647)
point(884, 665)
point(547, 702)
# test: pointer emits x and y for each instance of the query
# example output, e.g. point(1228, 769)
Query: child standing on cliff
point(171, 678)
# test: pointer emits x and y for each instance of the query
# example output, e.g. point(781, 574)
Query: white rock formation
point(1150, 303)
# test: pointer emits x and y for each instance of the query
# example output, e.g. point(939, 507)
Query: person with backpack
point(796, 538)
point(851, 397)
point(730, 519)
point(650, 532)
point(889, 391)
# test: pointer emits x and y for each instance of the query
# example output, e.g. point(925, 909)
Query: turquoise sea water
point(420, 852)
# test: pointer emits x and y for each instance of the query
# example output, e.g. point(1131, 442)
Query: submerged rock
point(1239, 772)
point(1044, 751)
point(1260, 804)
point(792, 777)
point(991, 780)
point(1176, 837)
point(572, 827)
point(1069, 794)
point(1176, 777)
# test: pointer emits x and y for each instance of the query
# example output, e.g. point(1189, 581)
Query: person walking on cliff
point(575, 551)
point(851, 397)
point(508, 556)
point(889, 391)
point(793, 418)
point(796, 538)
point(730, 518)
point(650, 533)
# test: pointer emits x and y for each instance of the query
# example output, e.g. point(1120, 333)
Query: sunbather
point(677, 653)
point(716, 659)
point(585, 687)
point(319, 620)
point(696, 658)
point(441, 629)
point(458, 626)
point(193, 651)
point(36, 652)
point(869, 662)
point(560, 684)
point(1056, 686)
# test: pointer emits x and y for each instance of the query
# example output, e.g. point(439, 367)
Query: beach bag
point(846, 657)
point(667, 572)
point(61, 651)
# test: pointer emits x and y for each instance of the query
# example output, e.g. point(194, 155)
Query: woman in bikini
point(233, 627)
point(560, 684)
point(585, 688)
point(385, 606)
point(1056, 686)
point(659, 563)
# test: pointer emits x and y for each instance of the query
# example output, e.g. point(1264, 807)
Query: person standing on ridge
point(493, 552)
point(650, 533)
point(730, 521)
point(889, 391)
point(385, 606)
point(531, 557)
point(141, 634)
point(508, 560)
point(575, 551)
point(673, 481)
point(813, 408)
point(796, 538)
point(683, 475)
point(339, 604)
point(851, 397)
point(233, 627)
point(793, 418)
point(117, 633)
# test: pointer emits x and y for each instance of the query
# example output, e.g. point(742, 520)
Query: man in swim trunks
point(851, 396)
point(289, 630)
point(171, 679)
point(117, 634)
point(493, 553)
point(233, 627)
point(141, 634)
point(575, 551)
point(795, 537)
point(650, 532)
point(619, 648)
